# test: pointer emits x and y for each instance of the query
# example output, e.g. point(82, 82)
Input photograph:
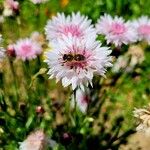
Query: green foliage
point(23, 87)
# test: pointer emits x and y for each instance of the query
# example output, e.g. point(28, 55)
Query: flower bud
point(40, 110)
point(66, 138)
point(11, 51)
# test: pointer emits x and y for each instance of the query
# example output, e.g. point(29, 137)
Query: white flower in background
point(143, 118)
point(120, 64)
point(38, 1)
point(2, 19)
point(37, 140)
point(82, 100)
point(27, 49)
point(137, 55)
point(37, 37)
point(127, 62)
point(75, 24)
point(75, 61)
point(116, 30)
point(142, 26)
point(10, 7)
point(2, 50)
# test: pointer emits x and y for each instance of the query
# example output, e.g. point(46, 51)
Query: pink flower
point(12, 4)
point(142, 26)
point(74, 60)
point(76, 25)
point(27, 49)
point(81, 99)
point(38, 1)
point(116, 30)
point(10, 7)
point(35, 141)
point(11, 50)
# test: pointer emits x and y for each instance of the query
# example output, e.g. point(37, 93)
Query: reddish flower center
point(85, 100)
point(144, 29)
point(117, 28)
point(73, 29)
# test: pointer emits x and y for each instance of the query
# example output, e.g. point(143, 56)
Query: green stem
point(75, 107)
point(75, 102)
point(14, 78)
point(38, 17)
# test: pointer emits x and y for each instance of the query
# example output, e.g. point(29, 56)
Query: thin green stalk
point(14, 78)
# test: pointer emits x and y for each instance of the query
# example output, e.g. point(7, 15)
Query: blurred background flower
point(38, 1)
point(142, 26)
point(36, 140)
point(116, 30)
point(11, 7)
point(143, 117)
point(27, 49)
point(81, 99)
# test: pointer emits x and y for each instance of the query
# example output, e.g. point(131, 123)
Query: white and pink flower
point(10, 7)
point(74, 60)
point(38, 1)
point(76, 25)
point(36, 140)
point(116, 30)
point(81, 99)
point(143, 118)
point(27, 49)
point(142, 26)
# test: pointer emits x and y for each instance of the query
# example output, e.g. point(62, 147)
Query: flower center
point(26, 49)
point(74, 60)
point(144, 29)
point(73, 29)
point(117, 28)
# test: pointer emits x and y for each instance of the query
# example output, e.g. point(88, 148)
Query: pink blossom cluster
point(117, 31)
point(142, 27)
point(11, 7)
point(76, 55)
point(25, 49)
